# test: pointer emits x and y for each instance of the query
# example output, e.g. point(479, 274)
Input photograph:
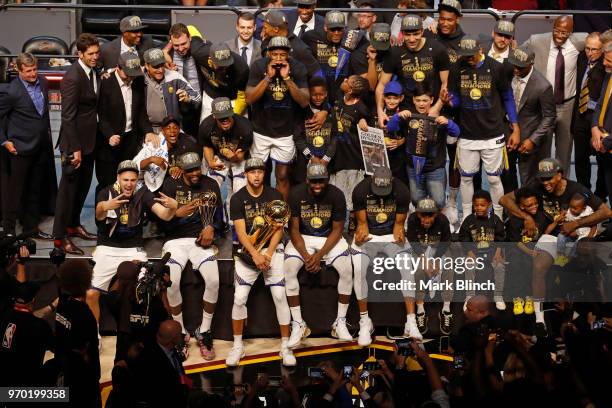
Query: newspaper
point(373, 149)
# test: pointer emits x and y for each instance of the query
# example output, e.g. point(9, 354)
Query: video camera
point(9, 246)
point(152, 279)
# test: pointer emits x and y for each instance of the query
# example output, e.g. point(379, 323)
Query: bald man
point(477, 308)
point(556, 56)
point(477, 320)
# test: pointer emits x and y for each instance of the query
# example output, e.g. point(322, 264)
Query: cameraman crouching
point(120, 212)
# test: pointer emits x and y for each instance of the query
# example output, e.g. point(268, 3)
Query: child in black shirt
point(483, 228)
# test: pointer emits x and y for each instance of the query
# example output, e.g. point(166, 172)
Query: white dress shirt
point(126, 91)
point(87, 71)
point(499, 57)
point(570, 55)
point(126, 48)
point(249, 50)
point(518, 87)
point(310, 25)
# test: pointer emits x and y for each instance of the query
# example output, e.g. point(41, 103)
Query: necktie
point(584, 92)
point(243, 54)
point(92, 80)
point(302, 30)
point(560, 77)
point(606, 101)
point(518, 92)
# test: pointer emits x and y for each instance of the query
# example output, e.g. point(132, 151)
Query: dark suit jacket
point(293, 19)
point(111, 114)
point(607, 125)
point(160, 381)
point(109, 54)
point(79, 112)
point(20, 122)
point(537, 111)
point(595, 80)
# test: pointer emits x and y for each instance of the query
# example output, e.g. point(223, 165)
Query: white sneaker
point(451, 213)
point(499, 303)
point(234, 356)
point(288, 357)
point(340, 331)
point(411, 330)
point(366, 328)
point(467, 299)
point(299, 331)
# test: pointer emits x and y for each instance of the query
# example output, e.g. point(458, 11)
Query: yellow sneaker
point(529, 305)
point(518, 305)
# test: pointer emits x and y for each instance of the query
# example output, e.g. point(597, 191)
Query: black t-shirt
point(482, 232)
point(184, 144)
point(243, 206)
point(554, 205)
point(190, 226)
point(317, 214)
point(240, 136)
point(381, 211)
point(126, 231)
point(228, 84)
point(514, 229)
point(318, 143)
point(76, 329)
point(275, 113)
point(25, 338)
point(412, 67)
point(348, 148)
point(425, 139)
point(300, 52)
point(481, 111)
point(450, 42)
point(326, 54)
point(438, 235)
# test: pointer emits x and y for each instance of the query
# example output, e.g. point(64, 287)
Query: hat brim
point(517, 63)
point(254, 168)
point(176, 122)
point(546, 174)
point(223, 115)
point(381, 45)
point(381, 191)
point(335, 25)
point(157, 63)
point(139, 28)
point(314, 178)
point(132, 72)
point(444, 7)
point(134, 169)
point(191, 167)
point(500, 32)
point(223, 63)
point(467, 53)
point(426, 210)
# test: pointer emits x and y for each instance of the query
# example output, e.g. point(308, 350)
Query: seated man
point(381, 204)
point(247, 212)
point(120, 213)
point(318, 210)
point(190, 237)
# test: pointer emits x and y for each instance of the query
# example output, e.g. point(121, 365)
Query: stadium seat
point(45, 44)
point(158, 21)
point(73, 50)
point(4, 62)
point(103, 21)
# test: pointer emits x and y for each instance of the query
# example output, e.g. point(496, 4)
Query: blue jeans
point(433, 184)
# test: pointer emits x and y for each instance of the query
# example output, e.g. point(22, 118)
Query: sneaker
point(340, 330)
point(234, 356)
point(411, 330)
point(540, 329)
point(288, 357)
point(446, 322)
point(529, 308)
point(499, 303)
point(366, 328)
point(451, 213)
point(518, 306)
point(422, 322)
point(205, 342)
point(299, 331)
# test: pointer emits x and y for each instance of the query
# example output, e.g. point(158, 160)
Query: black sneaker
point(421, 320)
point(540, 330)
point(205, 343)
point(446, 322)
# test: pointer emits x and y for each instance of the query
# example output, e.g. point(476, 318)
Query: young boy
point(522, 254)
point(483, 228)
point(350, 111)
point(314, 146)
point(395, 140)
point(426, 153)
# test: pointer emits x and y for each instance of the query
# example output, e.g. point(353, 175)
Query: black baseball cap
point(382, 181)
point(426, 205)
point(25, 292)
point(380, 36)
point(170, 119)
point(316, 172)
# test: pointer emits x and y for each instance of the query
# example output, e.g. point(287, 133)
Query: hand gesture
point(176, 172)
point(362, 234)
point(526, 146)
point(442, 120)
point(285, 70)
point(514, 140)
point(316, 122)
point(160, 162)
point(183, 96)
point(10, 147)
point(529, 228)
point(206, 236)
point(382, 120)
point(217, 164)
point(363, 125)
point(167, 202)
point(262, 263)
point(116, 202)
point(371, 51)
point(398, 234)
point(76, 161)
point(313, 263)
point(114, 140)
point(153, 139)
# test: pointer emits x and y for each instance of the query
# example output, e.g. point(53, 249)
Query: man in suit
point(589, 80)
point(122, 118)
point(556, 56)
point(160, 371)
point(244, 44)
point(303, 18)
point(602, 118)
point(25, 134)
point(77, 140)
point(131, 40)
point(536, 110)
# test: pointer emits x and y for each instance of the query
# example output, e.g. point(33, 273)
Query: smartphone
point(274, 381)
point(598, 324)
point(371, 365)
point(347, 371)
point(364, 375)
point(458, 362)
point(444, 344)
point(404, 348)
point(316, 372)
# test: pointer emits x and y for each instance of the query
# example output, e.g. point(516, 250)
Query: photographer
point(120, 214)
point(76, 350)
point(477, 320)
point(11, 255)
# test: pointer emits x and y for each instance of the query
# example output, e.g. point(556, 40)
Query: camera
point(404, 348)
point(9, 246)
point(347, 371)
point(598, 324)
point(152, 279)
point(274, 381)
point(316, 373)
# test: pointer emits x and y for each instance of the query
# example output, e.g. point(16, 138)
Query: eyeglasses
point(589, 49)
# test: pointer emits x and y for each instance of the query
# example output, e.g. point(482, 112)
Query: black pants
point(71, 197)
point(21, 186)
point(582, 158)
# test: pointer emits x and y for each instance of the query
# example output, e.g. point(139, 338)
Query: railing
point(520, 13)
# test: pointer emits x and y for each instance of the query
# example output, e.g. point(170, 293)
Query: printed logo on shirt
point(418, 68)
point(220, 142)
point(482, 236)
point(552, 208)
point(319, 139)
point(426, 238)
point(475, 88)
point(327, 54)
point(63, 321)
point(315, 216)
point(380, 211)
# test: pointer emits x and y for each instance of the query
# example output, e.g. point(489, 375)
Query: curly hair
point(359, 86)
point(75, 276)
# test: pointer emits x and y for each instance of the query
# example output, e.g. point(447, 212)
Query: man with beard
point(190, 235)
point(121, 210)
point(318, 210)
point(418, 60)
point(131, 40)
point(247, 211)
point(501, 42)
